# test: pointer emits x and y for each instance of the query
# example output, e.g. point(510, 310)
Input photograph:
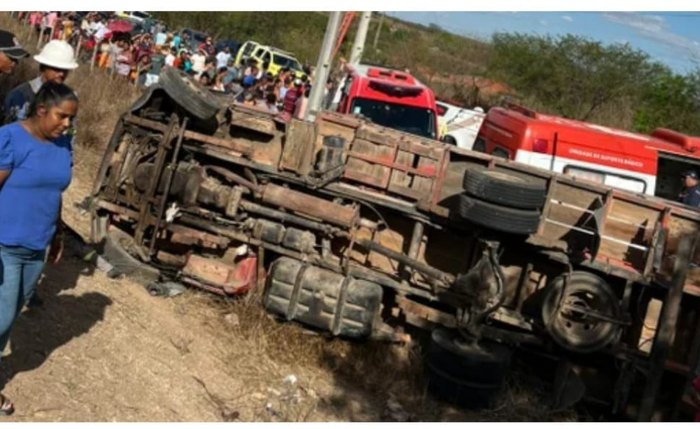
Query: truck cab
point(387, 97)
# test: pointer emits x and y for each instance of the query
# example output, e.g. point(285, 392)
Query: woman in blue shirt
point(35, 169)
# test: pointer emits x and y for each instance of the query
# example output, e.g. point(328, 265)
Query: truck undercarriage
point(359, 231)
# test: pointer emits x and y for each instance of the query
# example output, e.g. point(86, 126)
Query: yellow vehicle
point(277, 58)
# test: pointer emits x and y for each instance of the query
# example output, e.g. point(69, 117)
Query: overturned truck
point(361, 231)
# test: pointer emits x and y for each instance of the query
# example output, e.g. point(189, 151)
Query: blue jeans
point(20, 269)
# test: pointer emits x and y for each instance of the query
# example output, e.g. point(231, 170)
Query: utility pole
point(379, 28)
point(323, 66)
point(359, 45)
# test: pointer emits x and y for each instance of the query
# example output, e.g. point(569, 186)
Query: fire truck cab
point(646, 164)
point(390, 98)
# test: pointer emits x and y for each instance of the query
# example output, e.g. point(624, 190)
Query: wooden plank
point(398, 177)
point(370, 151)
point(424, 185)
point(367, 173)
point(253, 122)
point(298, 147)
point(406, 191)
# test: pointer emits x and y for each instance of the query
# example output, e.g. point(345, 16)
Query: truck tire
point(505, 188)
point(465, 375)
point(571, 329)
point(189, 94)
point(498, 218)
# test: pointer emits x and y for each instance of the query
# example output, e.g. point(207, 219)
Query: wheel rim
point(580, 322)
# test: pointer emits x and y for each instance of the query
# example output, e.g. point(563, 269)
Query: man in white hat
point(56, 60)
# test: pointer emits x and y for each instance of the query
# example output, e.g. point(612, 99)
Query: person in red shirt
point(208, 47)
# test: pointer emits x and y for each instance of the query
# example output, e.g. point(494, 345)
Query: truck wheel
point(466, 375)
point(505, 188)
point(189, 94)
point(450, 140)
point(498, 218)
point(574, 325)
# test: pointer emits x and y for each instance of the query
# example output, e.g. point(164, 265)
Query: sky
point(672, 38)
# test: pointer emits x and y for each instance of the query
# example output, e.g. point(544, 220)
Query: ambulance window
point(626, 183)
point(609, 179)
point(500, 153)
point(585, 174)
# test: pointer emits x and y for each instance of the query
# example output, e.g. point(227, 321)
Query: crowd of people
point(139, 52)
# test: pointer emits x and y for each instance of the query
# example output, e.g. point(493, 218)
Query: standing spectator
point(271, 103)
point(232, 73)
point(199, 60)
point(123, 58)
point(183, 62)
point(303, 103)
point(249, 80)
point(691, 189)
point(170, 57)
point(177, 39)
point(157, 63)
point(161, 38)
point(249, 69)
point(30, 199)
point(10, 54)
point(55, 60)
point(99, 29)
point(223, 57)
point(207, 47)
point(288, 84)
point(277, 86)
point(68, 24)
point(289, 104)
point(141, 72)
point(218, 84)
point(35, 20)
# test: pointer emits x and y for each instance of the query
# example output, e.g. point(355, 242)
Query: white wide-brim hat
point(57, 54)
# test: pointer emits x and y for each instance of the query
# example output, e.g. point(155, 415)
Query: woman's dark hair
point(50, 95)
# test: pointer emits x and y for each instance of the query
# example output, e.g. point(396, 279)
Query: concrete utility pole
point(323, 66)
point(379, 28)
point(359, 45)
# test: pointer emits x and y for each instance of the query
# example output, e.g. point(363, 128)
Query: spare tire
point(466, 375)
point(188, 93)
point(498, 218)
point(505, 188)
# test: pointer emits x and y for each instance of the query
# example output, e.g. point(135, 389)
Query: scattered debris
point(394, 410)
point(172, 212)
point(165, 289)
point(291, 379)
point(232, 320)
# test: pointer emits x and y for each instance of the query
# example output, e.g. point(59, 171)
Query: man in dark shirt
point(55, 60)
point(691, 189)
point(10, 54)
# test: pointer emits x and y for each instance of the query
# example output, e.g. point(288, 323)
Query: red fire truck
point(390, 98)
point(648, 164)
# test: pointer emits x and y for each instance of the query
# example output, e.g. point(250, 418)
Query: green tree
point(672, 101)
point(571, 76)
